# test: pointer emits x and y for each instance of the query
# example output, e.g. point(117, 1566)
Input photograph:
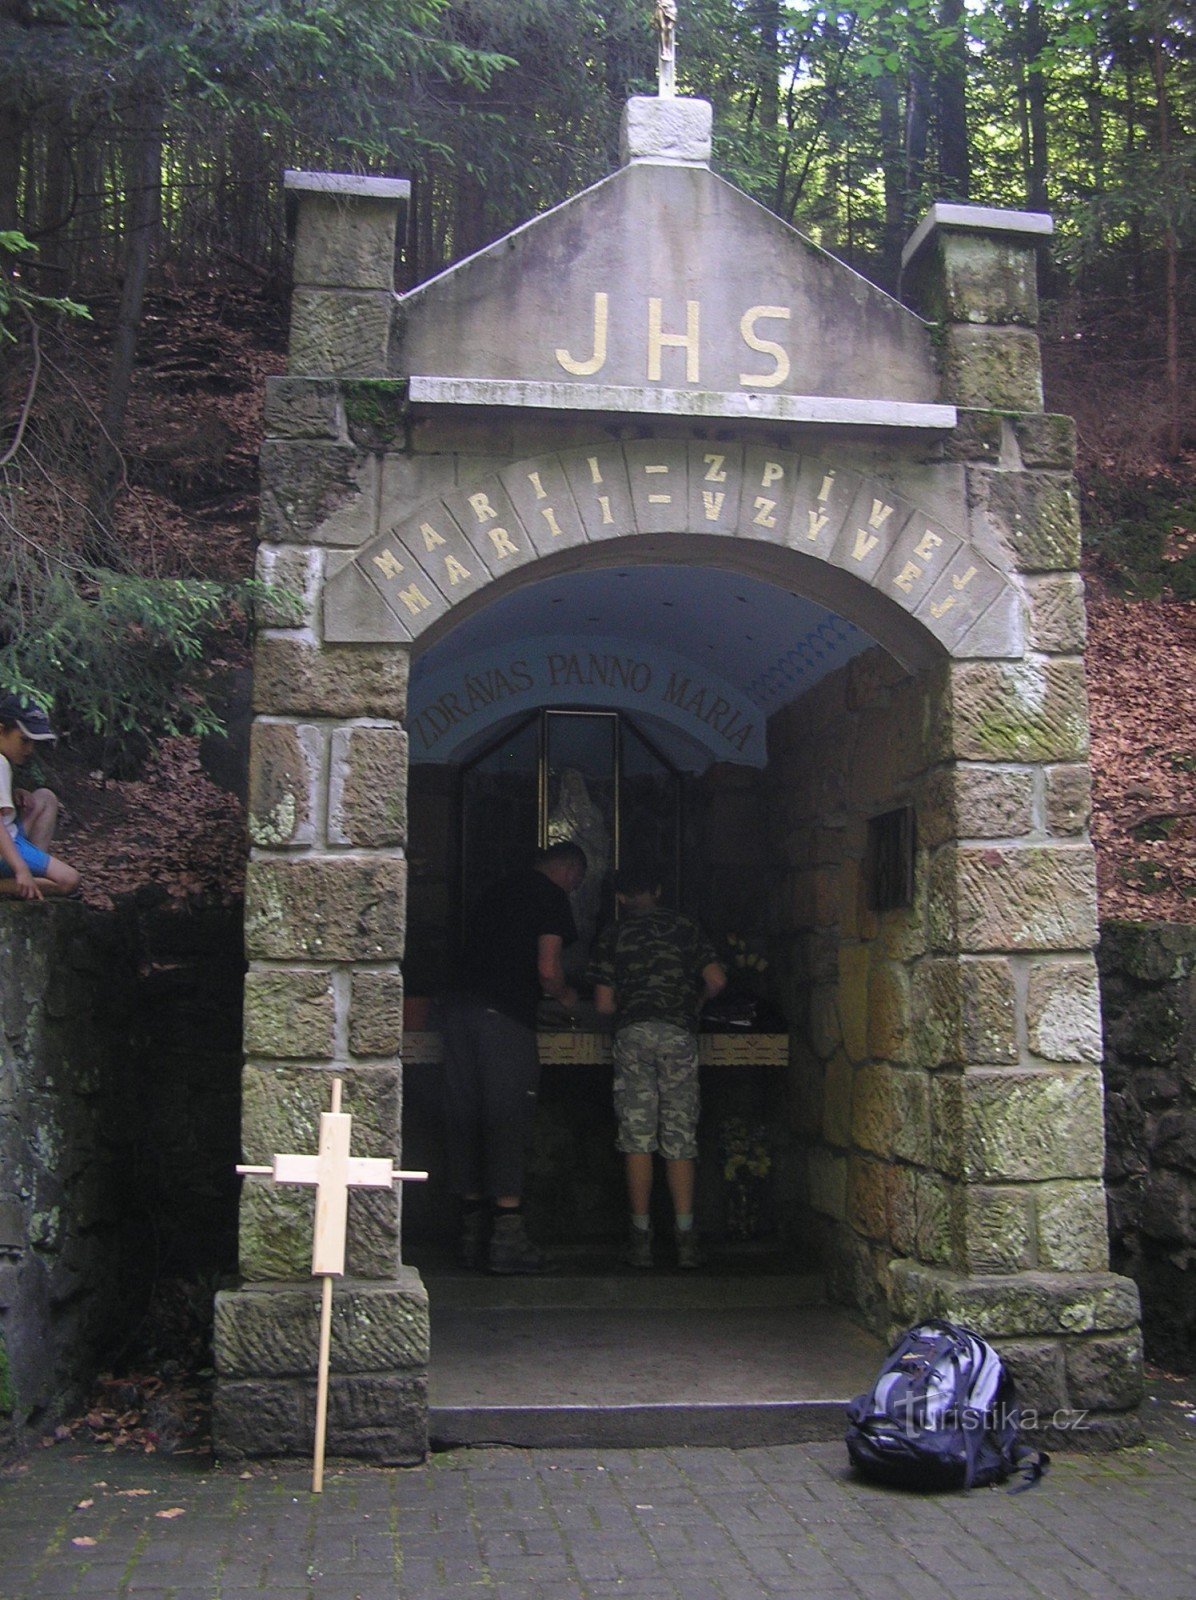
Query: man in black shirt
point(513, 948)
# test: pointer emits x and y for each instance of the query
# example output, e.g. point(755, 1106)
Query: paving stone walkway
point(668, 1524)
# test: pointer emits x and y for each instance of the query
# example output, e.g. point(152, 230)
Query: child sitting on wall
point(27, 819)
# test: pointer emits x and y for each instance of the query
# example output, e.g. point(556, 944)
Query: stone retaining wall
point(1148, 989)
point(119, 1099)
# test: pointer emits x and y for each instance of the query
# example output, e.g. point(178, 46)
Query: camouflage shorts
point(656, 1090)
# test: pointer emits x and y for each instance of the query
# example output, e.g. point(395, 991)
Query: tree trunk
point(917, 108)
point(1170, 255)
point(893, 166)
point(951, 79)
point(143, 188)
point(1036, 41)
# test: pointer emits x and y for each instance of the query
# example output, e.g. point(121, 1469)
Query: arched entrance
point(428, 458)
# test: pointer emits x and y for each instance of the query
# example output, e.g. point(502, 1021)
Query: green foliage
point(16, 298)
point(117, 655)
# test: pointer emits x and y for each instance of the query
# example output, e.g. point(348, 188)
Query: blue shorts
point(36, 860)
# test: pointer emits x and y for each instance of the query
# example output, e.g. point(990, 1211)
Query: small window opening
point(891, 847)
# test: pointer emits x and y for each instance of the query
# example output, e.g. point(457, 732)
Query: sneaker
point(689, 1248)
point(473, 1238)
point(510, 1248)
point(639, 1247)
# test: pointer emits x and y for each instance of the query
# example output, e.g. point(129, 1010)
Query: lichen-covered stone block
point(376, 1014)
point(1105, 1374)
point(1020, 711)
point(296, 677)
point(1020, 1304)
point(1010, 897)
point(992, 367)
point(872, 1110)
point(919, 1214)
point(971, 801)
point(336, 908)
point(1072, 1226)
point(303, 408)
point(284, 768)
point(867, 1201)
point(276, 1223)
point(341, 333)
point(1058, 620)
point(290, 1013)
point(1023, 1126)
point(374, 1418)
point(976, 436)
point(291, 575)
point(909, 1091)
point(997, 1228)
point(1063, 1020)
point(345, 240)
point(979, 278)
point(1047, 439)
point(1068, 798)
point(965, 1010)
point(1035, 516)
point(367, 803)
point(260, 1417)
point(888, 1011)
point(265, 1331)
point(281, 1108)
point(1038, 1372)
point(324, 494)
point(854, 972)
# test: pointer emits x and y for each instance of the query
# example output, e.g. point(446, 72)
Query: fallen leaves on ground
point(1143, 713)
point(144, 1413)
point(171, 827)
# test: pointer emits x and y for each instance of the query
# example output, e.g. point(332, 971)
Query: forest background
point(144, 269)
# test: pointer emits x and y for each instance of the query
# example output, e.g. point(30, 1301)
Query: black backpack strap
point(1029, 1465)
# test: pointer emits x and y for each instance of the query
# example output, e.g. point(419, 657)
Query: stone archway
point(958, 1157)
point(859, 528)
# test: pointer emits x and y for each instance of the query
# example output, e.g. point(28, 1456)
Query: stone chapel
point(654, 521)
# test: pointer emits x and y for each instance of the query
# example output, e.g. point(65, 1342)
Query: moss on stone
point(375, 410)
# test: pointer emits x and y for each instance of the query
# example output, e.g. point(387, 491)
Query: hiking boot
point(510, 1248)
point(689, 1248)
point(638, 1252)
point(473, 1238)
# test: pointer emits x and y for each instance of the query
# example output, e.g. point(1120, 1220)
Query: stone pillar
point(345, 235)
point(1012, 1038)
point(325, 906)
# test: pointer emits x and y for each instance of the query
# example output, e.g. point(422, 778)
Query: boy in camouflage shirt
point(653, 970)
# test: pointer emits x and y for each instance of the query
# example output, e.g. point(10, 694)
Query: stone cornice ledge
point(945, 214)
point(551, 396)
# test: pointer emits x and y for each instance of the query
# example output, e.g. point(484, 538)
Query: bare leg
point(680, 1175)
point(39, 818)
point(60, 878)
point(639, 1182)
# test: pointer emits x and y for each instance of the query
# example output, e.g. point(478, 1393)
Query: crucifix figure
point(334, 1172)
point(666, 53)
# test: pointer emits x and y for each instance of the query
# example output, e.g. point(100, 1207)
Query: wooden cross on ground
point(334, 1172)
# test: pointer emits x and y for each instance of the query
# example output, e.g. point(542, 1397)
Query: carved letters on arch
point(422, 565)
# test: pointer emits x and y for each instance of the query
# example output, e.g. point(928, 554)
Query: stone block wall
point(1148, 986)
point(945, 1086)
point(326, 890)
